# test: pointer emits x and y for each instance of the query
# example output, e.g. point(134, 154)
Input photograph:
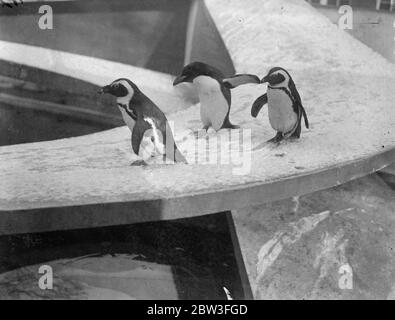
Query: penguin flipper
point(240, 79)
point(178, 156)
point(306, 121)
point(299, 103)
point(138, 163)
point(258, 104)
point(138, 132)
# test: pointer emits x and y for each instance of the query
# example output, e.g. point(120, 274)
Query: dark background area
point(199, 250)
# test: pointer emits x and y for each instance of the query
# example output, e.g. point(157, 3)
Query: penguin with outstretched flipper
point(284, 103)
point(215, 97)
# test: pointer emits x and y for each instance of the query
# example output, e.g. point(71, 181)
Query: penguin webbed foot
point(139, 163)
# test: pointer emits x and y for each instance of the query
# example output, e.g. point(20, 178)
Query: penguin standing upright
point(215, 98)
point(151, 133)
point(284, 102)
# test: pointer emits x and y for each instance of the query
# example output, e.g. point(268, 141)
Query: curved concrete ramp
point(346, 88)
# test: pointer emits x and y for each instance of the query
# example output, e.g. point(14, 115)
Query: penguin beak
point(179, 80)
point(265, 79)
point(105, 89)
point(273, 79)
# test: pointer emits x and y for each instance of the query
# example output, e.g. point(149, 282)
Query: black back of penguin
point(146, 115)
point(147, 110)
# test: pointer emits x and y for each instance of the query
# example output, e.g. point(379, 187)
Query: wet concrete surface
point(337, 243)
point(151, 39)
point(371, 27)
point(333, 244)
point(182, 259)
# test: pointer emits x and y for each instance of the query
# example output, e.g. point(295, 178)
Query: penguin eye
point(116, 85)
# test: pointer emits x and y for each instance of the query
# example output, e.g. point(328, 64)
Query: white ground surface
point(347, 90)
point(304, 248)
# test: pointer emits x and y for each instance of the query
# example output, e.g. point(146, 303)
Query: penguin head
point(196, 69)
point(277, 77)
point(120, 88)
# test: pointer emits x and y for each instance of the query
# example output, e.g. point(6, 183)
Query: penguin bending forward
point(215, 98)
point(284, 102)
point(151, 133)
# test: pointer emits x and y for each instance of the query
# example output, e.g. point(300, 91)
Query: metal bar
point(193, 11)
point(61, 109)
point(245, 283)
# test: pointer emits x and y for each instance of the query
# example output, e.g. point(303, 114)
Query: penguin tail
point(175, 156)
point(178, 156)
point(258, 104)
point(296, 133)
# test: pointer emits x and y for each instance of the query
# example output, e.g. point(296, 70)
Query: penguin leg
point(258, 104)
point(228, 125)
point(231, 126)
point(277, 138)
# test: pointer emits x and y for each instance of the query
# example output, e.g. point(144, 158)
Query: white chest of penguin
point(282, 117)
point(213, 105)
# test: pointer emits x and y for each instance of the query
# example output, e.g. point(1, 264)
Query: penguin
point(283, 99)
point(215, 98)
point(151, 133)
